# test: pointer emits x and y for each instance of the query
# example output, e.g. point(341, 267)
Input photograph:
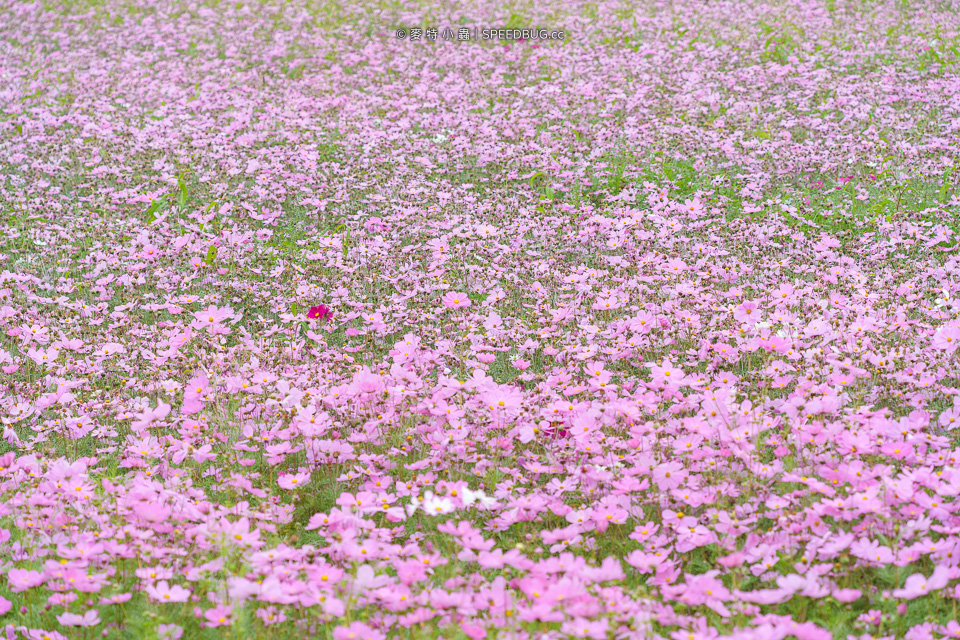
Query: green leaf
point(184, 194)
point(945, 187)
point(346, 239)
point(211, 255)
point(152, 210)
point(881, 206)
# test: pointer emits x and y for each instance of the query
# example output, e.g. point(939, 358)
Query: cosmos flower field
point(311, 331)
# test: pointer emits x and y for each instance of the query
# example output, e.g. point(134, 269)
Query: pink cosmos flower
point(732, 560)
point(607, 304)
point(693, 207)
point(154, 573)
point(23, 579)
point(88, 619)
point(666, 373)
point(669, 475)
point(212, 318)
point(219, 616)
point(675, 265)
point(270, 616)
point(319, 312)
point(169, 632)
point(606, 516)
point(43, 357)
point(947, 338)
point(118, 598)
point(293, 481)
point(163, 592)
point(847, 595)
point(111, 349)
point(357, 631)
point(763, 596)
point(37, 634)
point(193, 395)
point(918, 585)
point(642, 323)
point(365, 381)
point(212, 315)
point(747, 312)
point(950, 419)
point(597, 371)
point(585, 628)
point(705, 589)
point(148, 416)
point(456, 300)
point(239, 533)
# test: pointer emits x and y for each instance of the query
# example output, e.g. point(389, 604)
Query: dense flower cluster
point(651, 332)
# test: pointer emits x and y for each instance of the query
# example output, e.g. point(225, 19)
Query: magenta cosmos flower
point(456, 300)
point(319, 312)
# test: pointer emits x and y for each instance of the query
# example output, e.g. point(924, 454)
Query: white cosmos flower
point(435, 505)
